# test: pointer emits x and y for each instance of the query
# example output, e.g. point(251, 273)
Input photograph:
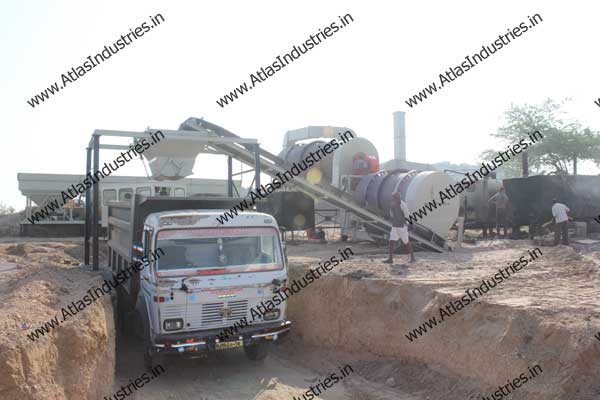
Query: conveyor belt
point(271, 164)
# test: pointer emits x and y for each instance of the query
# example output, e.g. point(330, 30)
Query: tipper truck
point(199, 277)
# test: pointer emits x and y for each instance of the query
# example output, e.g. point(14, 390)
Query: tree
point(5, 210)
point(563, 144)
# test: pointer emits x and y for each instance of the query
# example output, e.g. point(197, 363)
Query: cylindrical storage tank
point(417, 189)
point(320, 171)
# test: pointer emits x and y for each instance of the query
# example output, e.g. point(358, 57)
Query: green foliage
point(563, 142)
point(510, 169)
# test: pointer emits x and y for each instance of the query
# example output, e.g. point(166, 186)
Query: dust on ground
point(547, 313)
point(77, 357)
point(563, 284)
point(560, 288)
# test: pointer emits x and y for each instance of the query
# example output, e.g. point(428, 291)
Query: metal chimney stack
point(525, 164)
point(399, 136)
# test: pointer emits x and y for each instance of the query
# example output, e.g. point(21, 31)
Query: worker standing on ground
point(559, 212)
point(500, 199)
point(399, 232)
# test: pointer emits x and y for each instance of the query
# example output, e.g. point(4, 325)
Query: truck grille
point(215, 315)
point(238, 310)
point(173, 311)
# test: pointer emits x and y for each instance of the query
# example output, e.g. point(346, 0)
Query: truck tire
point(128, 291)
point(121, 314)
point(151, 359)
point(257, 352)
point(141, 322)
point(139, 318)
point(124, 299)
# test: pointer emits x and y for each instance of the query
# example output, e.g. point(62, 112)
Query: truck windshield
point(220, 248)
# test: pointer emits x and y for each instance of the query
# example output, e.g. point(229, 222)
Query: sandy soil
point(547, 314)
point(76, 359)
point(356, 315)
point(229, 375)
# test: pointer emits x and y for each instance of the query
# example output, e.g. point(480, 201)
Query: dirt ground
point(77, 358)
point(229, 375)
point(546, 314)
point(357, 315)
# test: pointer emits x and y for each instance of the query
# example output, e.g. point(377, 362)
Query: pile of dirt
point(74, 360)
point(16, 250)
point(359, 314)
point(545, 315)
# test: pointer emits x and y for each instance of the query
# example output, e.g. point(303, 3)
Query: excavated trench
point(75, 360)
point(530, 321)
point(359, 314)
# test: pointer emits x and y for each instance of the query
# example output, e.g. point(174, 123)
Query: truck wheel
point(121, 312)
point(344, 238)
point(148, 358)
point(151, 359)
point(257, 352)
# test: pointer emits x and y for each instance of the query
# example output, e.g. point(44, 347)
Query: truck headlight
point(173, 324)
point(271, 315)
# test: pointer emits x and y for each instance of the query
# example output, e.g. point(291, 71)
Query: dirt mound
point(545, 315)
point(75, 360)
point(16, 250)
point(45, 253)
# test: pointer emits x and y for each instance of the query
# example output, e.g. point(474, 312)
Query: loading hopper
point(173, 158)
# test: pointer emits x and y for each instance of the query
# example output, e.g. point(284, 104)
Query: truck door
point(147, 282)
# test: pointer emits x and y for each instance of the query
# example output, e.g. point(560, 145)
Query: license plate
point(229, 345)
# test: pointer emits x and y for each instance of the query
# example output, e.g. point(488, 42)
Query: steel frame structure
point(92, 195)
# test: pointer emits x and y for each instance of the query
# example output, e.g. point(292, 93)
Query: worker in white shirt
point(559, 212)
point(399, 233)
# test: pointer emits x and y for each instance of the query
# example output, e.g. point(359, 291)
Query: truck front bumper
point(207, 340)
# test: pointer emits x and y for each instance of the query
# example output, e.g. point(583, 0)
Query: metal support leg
point(88, 211)
point(257, 166)
point(460, 223)
point(28, 207)
point(229, 176)
point(95, 205)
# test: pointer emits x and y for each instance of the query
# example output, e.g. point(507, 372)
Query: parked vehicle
point(201, 277)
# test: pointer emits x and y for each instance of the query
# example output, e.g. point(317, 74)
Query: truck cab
point(202, 283)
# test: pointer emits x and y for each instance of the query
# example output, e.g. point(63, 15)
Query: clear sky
point(356, 78)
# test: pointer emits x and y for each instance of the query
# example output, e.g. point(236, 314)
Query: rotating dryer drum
point(336, 167)
point(319, 172)
point(417, 189)
point(332, 168)
point(344, 161)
